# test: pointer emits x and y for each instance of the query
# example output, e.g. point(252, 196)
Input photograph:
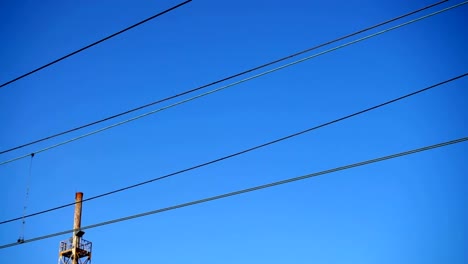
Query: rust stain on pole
point(78, 203)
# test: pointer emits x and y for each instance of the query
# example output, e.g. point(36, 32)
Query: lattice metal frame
point(83, 251)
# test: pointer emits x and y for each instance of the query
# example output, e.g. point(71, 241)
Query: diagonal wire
point(93, 44)
point(244, 151)
point(222, 80)
point(256, 188)
point(236, 83)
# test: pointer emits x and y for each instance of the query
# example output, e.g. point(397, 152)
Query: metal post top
point(78, 195)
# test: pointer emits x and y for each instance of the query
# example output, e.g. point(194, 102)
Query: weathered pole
point(76, 227)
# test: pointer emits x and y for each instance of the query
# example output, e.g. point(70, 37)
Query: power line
point(221, 80)
point(243, 151)
point(256, 188)
point(93, 44)
point(233, 84)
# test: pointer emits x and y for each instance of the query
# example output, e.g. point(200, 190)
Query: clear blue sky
point(408, 210)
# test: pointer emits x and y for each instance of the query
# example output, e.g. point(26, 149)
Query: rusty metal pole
point(76, 226)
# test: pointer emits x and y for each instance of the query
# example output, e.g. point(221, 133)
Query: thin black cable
point(26, 199)
point(221, 80)
point(243, 151)
point(256, 188)
point(94, 44)
point(237, 82)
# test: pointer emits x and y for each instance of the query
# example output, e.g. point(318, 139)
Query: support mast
point(77, 226)
point(76, 250)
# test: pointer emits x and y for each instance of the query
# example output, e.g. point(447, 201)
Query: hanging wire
point(26, 199)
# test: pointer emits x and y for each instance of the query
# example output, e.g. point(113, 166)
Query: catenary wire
point(256, 188)
point(93, 44)
point(222, 80)
point(234, 83)
point(244, 151)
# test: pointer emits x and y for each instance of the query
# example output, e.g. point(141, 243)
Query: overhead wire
point(235, 83)
point(93, 44)
point(246, 150)
point(223, 79)
point(252, 189)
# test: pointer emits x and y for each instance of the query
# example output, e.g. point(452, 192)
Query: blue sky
point(408, 210)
